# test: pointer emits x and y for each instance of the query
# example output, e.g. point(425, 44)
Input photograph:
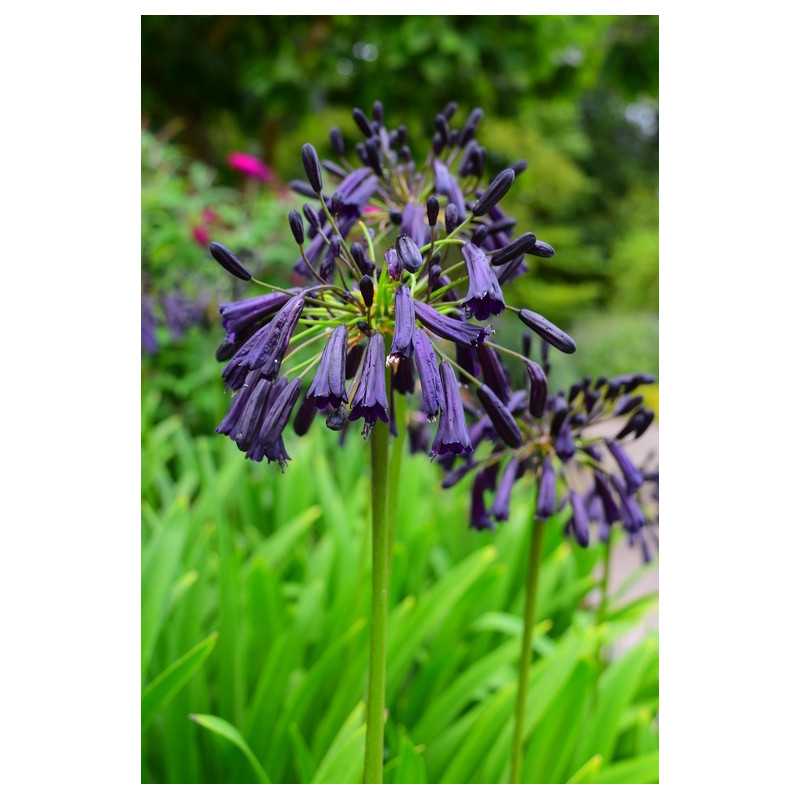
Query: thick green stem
point(602, 606)
point(395, 462)
point(376, 688)
point(526, 656)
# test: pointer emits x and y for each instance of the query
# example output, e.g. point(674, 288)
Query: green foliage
point(279, 566)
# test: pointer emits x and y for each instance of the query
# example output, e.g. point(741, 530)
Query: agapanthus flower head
point(382, 271)
point(576, 439)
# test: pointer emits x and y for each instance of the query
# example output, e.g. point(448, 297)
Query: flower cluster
point(578, 439)
point(398, 259)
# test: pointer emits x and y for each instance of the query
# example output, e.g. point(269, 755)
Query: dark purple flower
point(432, 210)
point(454, 330)
point(413, 224)
point(269, 441)
point(629, 511)
point(362, 121)
point(393, 265)
point(357, 188)
point(538, 388)
point(266, 348)
point(502, 498)
point(452, 436)
point(353, 360)
point(402, 342)
point(369, 402)
point(500, 416)
point(564, 444)
point(603, 491)
point(403, 377)
point(549, 332)
point(429, 377)
point(493, 371)
point(337, 141)
point(228, 261)
point(367, 289)
point(250, 414)
point(485, 297)
point(447, 184)
point(296, 226)
point(305, 416)
point(633, 478)
point(546, 495)
point(541, 249)
point(451, 218)
point(484, 481)
point(579, 523)
point(328, 387)
point(149, 341)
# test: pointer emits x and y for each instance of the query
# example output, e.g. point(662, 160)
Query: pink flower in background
point(210, 216)
point(371, 210)
point(251, 165)
point(201, 235)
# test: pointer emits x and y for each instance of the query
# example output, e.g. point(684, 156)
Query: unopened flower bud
point(312, 167)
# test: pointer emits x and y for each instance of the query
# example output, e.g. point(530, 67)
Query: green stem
point(526, 656)
point(395, 462)
point(376, 688)
point(602, 606)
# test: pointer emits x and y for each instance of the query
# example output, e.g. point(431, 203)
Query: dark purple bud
point(332, 168)
point(395, 217)
point(438, 143)
point(361, 152)
point(409, 253)
point(449, 110)
point(393, 265)
point(310, 213)
point(312, 167)
point(565, 444)
point(494, 193)
point(467, 359)
point(628, 404)
point(526, 345)
point(241, 316)
point(353, 360)
point(362, 260)
point(501, 418)
point(590, 399)
point(485, 297)
point(593, 452)
point(328, 387)
point(304, 416)
point(296, 225)
point(361, 120)
point(402, 343)
point(234, 414)
point(494, 374)
point(454, 330)
point(405, 153)
point(432, 208)
point(369, 402)
point(513, 250)
point(429, 378)
point(559, 408)
point(633, 478)
point(228, 261)
point(451, 218)
point(302, 188)
point(452, 436)
point(519, 167)
point(401, 134)
point(541, 249)
point(479, 234)
point(502, 498)
point(367, 289)
point(546, 494)
point(337, 141)
point(637, 424)
point(377, 112)
point(468, 162)
point(547, 330)
point(374, 157)
point(602, 489)
point(484, 481)
point(442, 128)
point(580, 519)
point(538, 388)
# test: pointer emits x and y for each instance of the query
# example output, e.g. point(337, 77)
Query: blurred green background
point(255, 585)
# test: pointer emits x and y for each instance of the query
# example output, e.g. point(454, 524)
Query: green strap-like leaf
point(165, 686)
point(224, 729)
